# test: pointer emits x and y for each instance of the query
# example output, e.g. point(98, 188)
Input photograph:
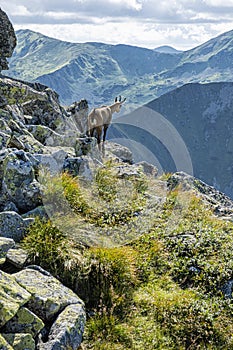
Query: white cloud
point(150, 23)
point(184, 36)
point(219, 3)
point(131, 4)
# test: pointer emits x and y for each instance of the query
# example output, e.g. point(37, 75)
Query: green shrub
point(47, 246)
point(111, 279)
point(189, 319)
point(106, 332)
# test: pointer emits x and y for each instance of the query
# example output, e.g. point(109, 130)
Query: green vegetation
point(162, 289)
point(14, 95)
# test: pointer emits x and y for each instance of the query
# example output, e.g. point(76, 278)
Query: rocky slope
point(36, 311)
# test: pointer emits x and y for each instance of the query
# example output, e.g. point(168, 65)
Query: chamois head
point(119, 103)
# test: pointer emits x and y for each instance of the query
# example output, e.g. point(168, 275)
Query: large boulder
point(61, 310)
point(7, 40)
point(44, 108)
point(54, 160)
point(17, 257)
point(49, 296)
point(12, 297)
point(12, 225)
point(19, 181)
point(116, 151)
point(66, 332)
point(49, 137)
point(83, 166)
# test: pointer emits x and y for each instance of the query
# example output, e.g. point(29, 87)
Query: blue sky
point(149, 23)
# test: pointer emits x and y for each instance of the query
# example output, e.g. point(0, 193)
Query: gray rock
point(79, 113)
point(12, 225)
point(84, 166)
point(24, 321)
point(49, 296)
point(227, 289)
point(17, 257)
point(4, 126)
point(20, 341)
point(54, 161)
point(121, 152)
point(44, 109)
point(19, 181)
point(15, 142)
point(126, 171)
point(37, 212)
point(50, 137)
point(28, 221)
point(5, 245)
point(3, 155)
point(85, 146)
point(72, 165)
point(67, 330)
point(148, 169)
point(12, 297)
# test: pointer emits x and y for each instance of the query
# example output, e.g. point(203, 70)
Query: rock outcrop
point(7, 40)
point(221, 204)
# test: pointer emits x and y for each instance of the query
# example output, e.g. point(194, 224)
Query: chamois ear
point(123, 100)
point(120, 98)
point(115, 99)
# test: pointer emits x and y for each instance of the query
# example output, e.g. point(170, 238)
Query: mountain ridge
point(99, 71)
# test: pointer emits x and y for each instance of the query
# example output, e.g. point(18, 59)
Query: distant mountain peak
point(167, 49)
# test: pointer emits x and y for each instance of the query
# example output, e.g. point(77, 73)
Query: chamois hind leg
point(98, 136)
point(104, 135)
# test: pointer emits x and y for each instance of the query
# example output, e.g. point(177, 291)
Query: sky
point(182, 24)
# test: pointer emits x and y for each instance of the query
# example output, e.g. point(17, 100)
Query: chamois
point(79, 111)
point(100, 118)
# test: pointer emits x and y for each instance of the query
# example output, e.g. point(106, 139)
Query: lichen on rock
point(4, 345)
point(20, 341)
point(25, 321)
point(12, 297)
point(49, 296)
